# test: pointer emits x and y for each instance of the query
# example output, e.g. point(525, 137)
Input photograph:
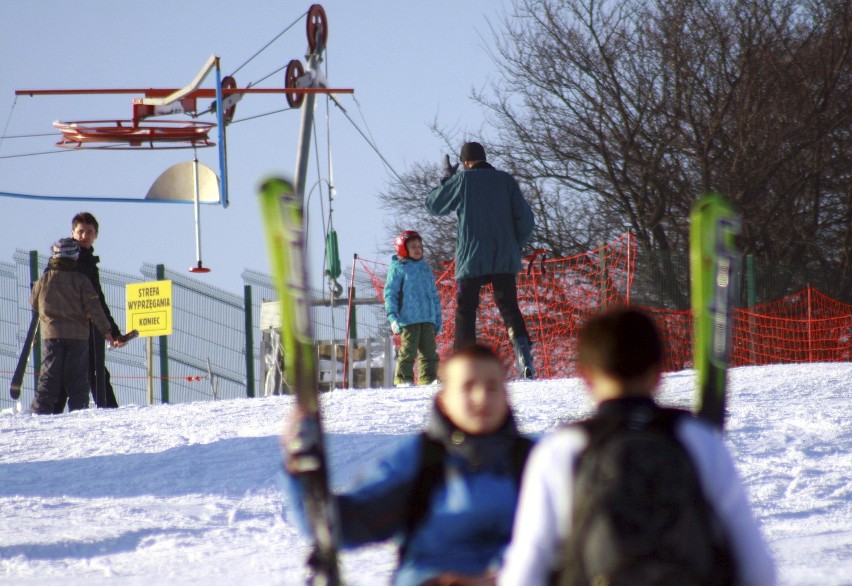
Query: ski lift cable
point(267, 76)
point(212, 108)
point(366, 138)
point(266, 46)
point(332, 256)
point(8, 119)
point(363, 118)
point(55, 152)
point(319, 186)
point(329, 155)
point(331, 260)
point(247, 118)
point(41, 134)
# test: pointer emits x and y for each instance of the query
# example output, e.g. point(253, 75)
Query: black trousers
point(99, 383)
point(102, 391)
point(62, 377)
point(505, 298)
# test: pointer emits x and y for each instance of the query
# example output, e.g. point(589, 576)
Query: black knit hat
point(472, 151)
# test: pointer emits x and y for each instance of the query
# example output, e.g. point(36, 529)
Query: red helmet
point(401, 240)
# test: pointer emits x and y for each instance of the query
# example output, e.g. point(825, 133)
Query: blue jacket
point(411, 296)
point(495, 222)
point(469, 522)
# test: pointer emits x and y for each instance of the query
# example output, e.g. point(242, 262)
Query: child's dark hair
point(475, 351)
point(624, 343)
point(84, 218)
point(472, 352)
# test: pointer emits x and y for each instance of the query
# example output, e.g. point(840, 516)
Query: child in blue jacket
point(447, 496)
point(414, 310)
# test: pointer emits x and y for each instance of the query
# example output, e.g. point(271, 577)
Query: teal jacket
point(495, 222)
point(411, 296)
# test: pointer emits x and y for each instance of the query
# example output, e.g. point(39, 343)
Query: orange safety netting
point(557, 296)
point(807, 326)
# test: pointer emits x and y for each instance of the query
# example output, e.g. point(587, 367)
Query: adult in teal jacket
point(447, 496)
point(495, 222)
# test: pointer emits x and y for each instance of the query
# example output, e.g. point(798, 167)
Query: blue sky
point(410, 63)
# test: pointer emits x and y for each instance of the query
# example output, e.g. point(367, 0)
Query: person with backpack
point(65, 302)
point(638, 494)
point(447, 496)
point(413, 307)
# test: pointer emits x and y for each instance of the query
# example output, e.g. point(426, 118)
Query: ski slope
point(187, 494)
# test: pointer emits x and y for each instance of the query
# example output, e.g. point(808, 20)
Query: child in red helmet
point(414, 310)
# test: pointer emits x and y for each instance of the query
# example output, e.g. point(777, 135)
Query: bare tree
point(620, 114)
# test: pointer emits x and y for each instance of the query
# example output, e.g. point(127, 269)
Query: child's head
point(409, 245)
point(65, 248)
point(474, 395)
point(620, 354)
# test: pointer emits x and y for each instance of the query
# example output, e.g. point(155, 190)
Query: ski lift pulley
point(316, 20)
point(295, 70)
point(229, 83)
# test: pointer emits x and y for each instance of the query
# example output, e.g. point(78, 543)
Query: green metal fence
point(214, 350)
point(212, 353)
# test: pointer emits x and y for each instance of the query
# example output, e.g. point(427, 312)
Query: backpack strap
point(430, 476)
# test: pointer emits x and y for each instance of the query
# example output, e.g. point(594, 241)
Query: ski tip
point(15, 392)
point(276, 184)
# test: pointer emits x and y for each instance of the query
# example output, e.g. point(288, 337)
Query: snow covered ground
point(187, 494)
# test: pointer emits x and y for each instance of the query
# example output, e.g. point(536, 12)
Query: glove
point(395, 328)
point(449, 170)
point(300, 442)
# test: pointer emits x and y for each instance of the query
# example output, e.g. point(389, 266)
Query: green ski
point(714, 268)
point(281, 209)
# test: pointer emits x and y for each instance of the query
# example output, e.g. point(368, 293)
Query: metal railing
point(214, 350)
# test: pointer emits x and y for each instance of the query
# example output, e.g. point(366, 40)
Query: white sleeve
point(726, 494)
point(543, 517)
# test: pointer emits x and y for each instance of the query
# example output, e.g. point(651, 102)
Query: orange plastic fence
point(558, 295)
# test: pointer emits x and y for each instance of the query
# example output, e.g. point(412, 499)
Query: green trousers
point(417, 338)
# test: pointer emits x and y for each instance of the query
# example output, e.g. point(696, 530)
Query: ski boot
point(523, 358)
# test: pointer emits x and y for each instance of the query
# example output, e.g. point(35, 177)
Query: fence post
point(164, 350)
point(368, 362)
point(37, 340)
point(751, 288)
point(149, 362)
point(249, 341)
point(390, 362)
point(810, 326)
point(604, 275)
point(351, 328)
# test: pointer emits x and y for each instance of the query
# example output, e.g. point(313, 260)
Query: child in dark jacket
point(620, 357)
point(414, 310)
point(65, 301)
point(448, 494)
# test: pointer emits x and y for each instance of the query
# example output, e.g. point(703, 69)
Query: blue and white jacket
point(411, 296)
point(469, 523)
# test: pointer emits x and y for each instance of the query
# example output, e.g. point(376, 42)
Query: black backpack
point(640, 517)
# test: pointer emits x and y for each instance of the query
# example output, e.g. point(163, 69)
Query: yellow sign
point(149, 308)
